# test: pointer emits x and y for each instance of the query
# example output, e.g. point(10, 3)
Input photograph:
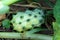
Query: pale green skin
point(27, 25)
point(4, 8)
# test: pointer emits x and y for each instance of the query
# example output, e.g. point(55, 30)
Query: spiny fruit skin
point(27, 20)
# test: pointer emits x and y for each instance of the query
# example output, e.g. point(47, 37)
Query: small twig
point(37, 4)
point(49, 27)
point(25, 5)
point(33, 6)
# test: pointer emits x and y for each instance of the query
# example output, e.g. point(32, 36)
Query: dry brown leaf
point(2, 17)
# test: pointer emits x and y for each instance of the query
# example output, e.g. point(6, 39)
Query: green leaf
point(6, 23)
point(4, 9)
point(35, 30)
point(56, 24)
point(9, 2)
point(57, 11)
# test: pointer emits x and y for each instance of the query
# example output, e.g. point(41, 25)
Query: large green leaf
point(57, 11)
point(56, 24)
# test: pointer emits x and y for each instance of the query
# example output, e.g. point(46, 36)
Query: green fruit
point(27, 20)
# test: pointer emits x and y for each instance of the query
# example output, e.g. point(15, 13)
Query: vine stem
point(18, 36)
